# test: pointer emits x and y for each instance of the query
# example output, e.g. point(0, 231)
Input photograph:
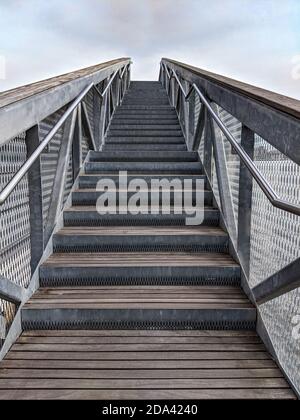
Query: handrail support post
point(32, 141)
point(245, 200)
point(76, 146)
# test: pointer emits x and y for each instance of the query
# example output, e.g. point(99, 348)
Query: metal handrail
point(265, 186)
point(8, 189)
point(121, 73)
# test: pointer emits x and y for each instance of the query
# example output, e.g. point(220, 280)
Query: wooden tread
point(142, 230)
point(142, 259)
point(151, 297)
point(124, 365)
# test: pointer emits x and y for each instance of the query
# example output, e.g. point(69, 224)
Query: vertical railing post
point(199, 128)
point(96, 119)
point(222, 177)
point(166, 81)
point(77, 142)
point(161, 77)
point(207, 150)
point(121, 89)
point(172, 91)
point(185, 111)
point(110, 103)
point(114, 90)
point(103, 114)
point(118, 90)
point(191, 121)
point(128, 77)
point(57, 197)
point(182, 108)
point(35, 199)
point(245, 200)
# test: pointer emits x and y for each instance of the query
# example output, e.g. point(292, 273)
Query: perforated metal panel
point(197, 109)
point(7, 314)
point(275, 242)
point(89, 101)
point(14, 216)
point(49, 158)
point(232, 160)
point(14, 227)
point(275, 239)
point(69, 181)
point(15, 252)
point(275, 234)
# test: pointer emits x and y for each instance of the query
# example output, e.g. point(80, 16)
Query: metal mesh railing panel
point(7, 314)
point(275, 234)
point(89, 102)
point(14, 227)
point(197, 109)
point(274, 237)
point(282, 320)
point(49, 158)
point(275, 242)
point(232, 160)
point(14, 216)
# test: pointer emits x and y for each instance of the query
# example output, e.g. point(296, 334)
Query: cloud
point(253, 41)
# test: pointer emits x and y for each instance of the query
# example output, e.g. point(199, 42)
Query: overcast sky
point(256, 41)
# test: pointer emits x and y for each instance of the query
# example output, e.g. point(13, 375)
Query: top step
point(150, 107)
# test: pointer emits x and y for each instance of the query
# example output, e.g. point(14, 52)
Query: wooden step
point(140, 238)
point(166, 216)
point(144, 167)
point(89, 197)
point(144, 146)
point(140, 268)
point(176, 297)
point(36, 369)
point(140, 156)
point(176, 307)
point(91, 180)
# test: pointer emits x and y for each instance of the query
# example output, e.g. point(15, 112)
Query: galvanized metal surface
point(32, 202)
point(268, 237)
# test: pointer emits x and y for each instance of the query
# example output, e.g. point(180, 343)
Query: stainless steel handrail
point(267, 189)
point(7, 190)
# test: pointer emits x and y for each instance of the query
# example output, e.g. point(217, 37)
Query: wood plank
point(137, 347)
point(139, 373)
point(141, 230)
point(139, 333)
point(143, 355)
point(139, 340)
point(126, 297)
point(141, 259)
point(138, 297)
point(143, 383)
point(219, 291)
point(88, 294)
point(190, 306)
point(138, 364)
point(22, 92)
point(281, 102)
point(120, 394)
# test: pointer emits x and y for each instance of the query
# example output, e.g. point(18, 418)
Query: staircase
point(140, 306)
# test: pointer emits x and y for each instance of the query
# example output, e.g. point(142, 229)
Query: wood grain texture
point(281, 102)
point(147, 394)
point(143, 259)
point(22, 92)
point(140, 364)
point(142, 230)
point(198, 297)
